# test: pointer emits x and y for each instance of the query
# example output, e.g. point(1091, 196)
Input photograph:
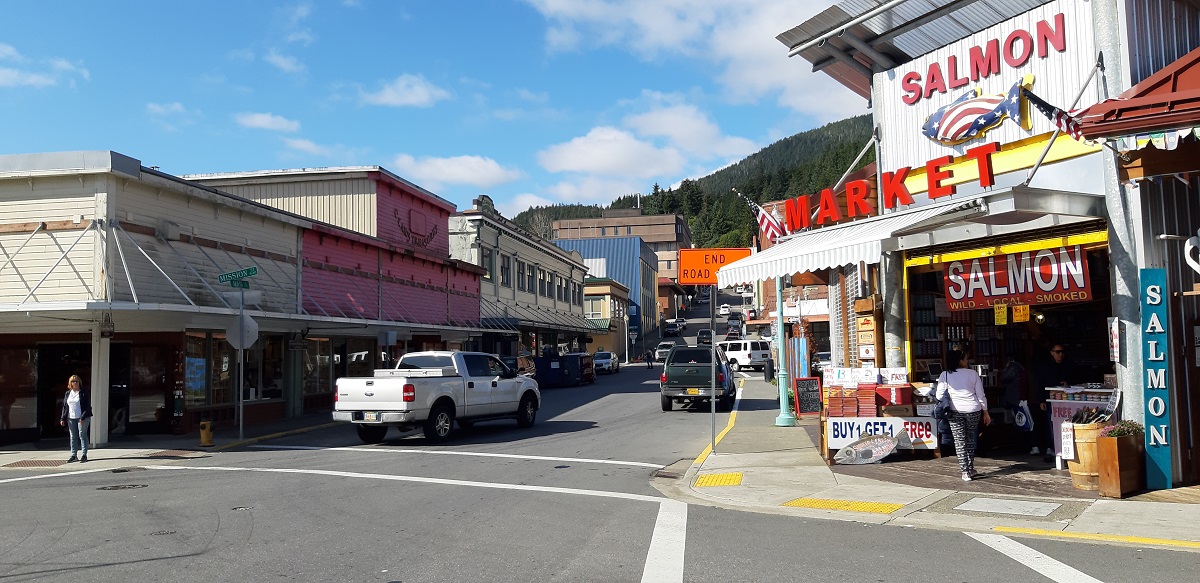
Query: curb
point(253, 440)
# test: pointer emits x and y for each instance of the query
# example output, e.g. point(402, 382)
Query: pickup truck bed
point(687, 378)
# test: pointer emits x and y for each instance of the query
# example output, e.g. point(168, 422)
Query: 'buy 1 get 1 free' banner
point(1044, 276)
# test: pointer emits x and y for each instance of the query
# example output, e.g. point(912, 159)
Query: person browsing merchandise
point(968, 406)
point(77, 417)
point(1058, 371)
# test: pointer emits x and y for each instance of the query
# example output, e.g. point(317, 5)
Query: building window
point(558, 283)
point(628, 230)
point(555, 234)
point(520, 275)
point(530, 286)
point(578, 294)
point(488, 264)
point(541, 282)
point(593, 307)
point(506, 271)
point(670, 264)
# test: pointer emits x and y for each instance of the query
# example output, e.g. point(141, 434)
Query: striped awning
point(829, 247)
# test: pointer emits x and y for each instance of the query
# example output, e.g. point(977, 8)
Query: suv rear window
point(691, 356)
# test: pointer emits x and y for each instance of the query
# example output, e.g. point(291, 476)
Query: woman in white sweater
point(968, 405)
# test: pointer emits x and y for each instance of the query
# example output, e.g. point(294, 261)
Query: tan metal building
point(665, 234)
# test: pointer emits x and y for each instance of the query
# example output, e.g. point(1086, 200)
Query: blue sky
point(531, 102)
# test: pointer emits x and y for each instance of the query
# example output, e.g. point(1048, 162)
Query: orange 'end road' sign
point(699, 266)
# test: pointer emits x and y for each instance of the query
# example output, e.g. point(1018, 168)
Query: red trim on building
point(1166, 100)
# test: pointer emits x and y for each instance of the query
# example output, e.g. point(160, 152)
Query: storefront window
point(195, 376)
point(264, 368)
point(318, 369)
point(18, 393)
point(147, 379)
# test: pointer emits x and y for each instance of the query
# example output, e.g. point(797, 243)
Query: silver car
point(606, 362)
point(662, 350)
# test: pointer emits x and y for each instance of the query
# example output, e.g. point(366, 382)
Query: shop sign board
point(866, 338)
point(1114, 339)
point(1066, 431)
point(1046, 276)
point(843, 431)
point(1155, 347)
point(865, 322)
point(699, 266)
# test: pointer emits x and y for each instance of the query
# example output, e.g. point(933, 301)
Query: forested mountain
point(801, 164)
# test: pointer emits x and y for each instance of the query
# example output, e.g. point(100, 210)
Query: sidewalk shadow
point(499, 431)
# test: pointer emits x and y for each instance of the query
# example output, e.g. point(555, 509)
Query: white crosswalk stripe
point(1044, 565)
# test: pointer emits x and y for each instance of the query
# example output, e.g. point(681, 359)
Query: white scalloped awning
point(844, 244)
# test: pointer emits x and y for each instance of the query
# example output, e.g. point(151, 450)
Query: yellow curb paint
point(851, 505)
point(710, 480)
point(708, 448)
point(1139, 540)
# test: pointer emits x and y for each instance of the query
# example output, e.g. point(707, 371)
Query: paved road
point(570, 499)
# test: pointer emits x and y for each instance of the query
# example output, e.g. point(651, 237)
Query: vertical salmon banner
point(1045, 276)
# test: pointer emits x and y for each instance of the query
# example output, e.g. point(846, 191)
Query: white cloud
point(690, 130)
point(593, 190)
point(531, 96)
point(16, 78)
point(613, 152)
point(521, 202)
point(736, 38)
point(308, 147)
point(169, 116)
point(267, 121)
point(166, 108)
point(7, 52)
point(407, 91)
point(436, 172)
point(285, 63)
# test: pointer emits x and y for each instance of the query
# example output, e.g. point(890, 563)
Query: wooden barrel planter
point(1085, 473)
point(1122, 465)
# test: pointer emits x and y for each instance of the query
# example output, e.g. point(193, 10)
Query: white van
point(746, 353)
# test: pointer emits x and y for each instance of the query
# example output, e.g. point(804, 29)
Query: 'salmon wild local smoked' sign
point(1046, 276)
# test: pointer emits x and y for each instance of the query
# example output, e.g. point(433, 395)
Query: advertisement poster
point(842, 431)
point(1029, 278)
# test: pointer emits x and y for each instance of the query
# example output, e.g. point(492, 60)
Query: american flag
point(1061, 119)
point(767, 223)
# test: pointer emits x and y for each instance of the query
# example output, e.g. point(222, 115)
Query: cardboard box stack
point(867, 405)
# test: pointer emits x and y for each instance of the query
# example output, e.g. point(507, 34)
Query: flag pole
point(1057, 130)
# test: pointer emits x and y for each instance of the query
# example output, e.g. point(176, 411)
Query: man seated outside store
point(1057, 371)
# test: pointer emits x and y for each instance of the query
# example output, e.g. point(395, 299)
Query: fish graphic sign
point(872, 448)
point(973, 114)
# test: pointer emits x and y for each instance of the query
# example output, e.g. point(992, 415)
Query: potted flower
point(1121, 451)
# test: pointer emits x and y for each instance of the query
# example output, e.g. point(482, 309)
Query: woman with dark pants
point(968, 407)
point(77, 416)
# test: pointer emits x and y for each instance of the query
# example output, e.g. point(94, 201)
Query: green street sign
point(239, 274)
point(240, 283)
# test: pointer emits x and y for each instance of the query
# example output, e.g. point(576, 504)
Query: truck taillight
point(410, 393)
point(662, 378)
point(721, 377)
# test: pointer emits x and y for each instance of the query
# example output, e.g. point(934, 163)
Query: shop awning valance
point(1163, 105)
point(844, 244)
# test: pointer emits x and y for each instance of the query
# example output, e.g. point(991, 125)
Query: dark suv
point(704, 337)
point(687, 377)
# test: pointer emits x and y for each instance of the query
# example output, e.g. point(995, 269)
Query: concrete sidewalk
point(758, 466)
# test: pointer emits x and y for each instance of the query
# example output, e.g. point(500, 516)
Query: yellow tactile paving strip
point(851, 505)
point(708, 480)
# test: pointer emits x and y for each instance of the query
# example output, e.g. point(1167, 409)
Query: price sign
point(1020, 313)
point(1068, 440)
point(1001, 313)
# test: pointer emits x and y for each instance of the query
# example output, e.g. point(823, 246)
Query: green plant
point(1122, 428)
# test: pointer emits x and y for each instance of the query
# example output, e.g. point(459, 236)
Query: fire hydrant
point(206, 434)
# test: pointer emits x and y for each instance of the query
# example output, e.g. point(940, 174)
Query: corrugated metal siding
point(622, 255)
point(1159, 31)
point(1057, 79)
point(348, 203)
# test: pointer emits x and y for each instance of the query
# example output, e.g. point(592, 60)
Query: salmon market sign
point(1046, 276)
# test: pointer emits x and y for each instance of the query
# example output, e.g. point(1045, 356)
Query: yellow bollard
point(206, 434)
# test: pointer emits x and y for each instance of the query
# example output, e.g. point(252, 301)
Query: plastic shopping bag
point(1021, 416)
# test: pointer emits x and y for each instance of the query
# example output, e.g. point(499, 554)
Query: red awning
point(1166, 100)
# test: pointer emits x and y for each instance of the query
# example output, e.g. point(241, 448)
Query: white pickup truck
point(432, 390)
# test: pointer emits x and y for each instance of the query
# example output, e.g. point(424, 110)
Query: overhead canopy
point(1008, 210)
point(1165, 101)
point(844, 244)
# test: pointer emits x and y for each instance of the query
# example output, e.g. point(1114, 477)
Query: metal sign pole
point(241, 397)
point(712, 294)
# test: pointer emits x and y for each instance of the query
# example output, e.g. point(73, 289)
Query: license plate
point(370, 416)
point(693, 391)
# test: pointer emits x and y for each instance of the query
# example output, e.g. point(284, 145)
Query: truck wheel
point(439, 424)
point(527, 412)
point(666, 402)
point(371, 433)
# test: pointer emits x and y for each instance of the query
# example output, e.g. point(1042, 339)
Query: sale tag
point(1001, 312)
point(1020, 313)
point(1068, 440)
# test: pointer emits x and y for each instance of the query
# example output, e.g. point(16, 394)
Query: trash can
point(769, 370)
point(206, 433)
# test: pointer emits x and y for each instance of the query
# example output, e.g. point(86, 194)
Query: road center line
point(465, 453)
point(1033, 559)
point(664, 558)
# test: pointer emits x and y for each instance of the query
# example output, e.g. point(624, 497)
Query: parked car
point(733, 334)
point(751, 314)
point(704, 336)
point(671, 329)
point(822, 361)
point(606, 362)
point(746, 353)
point(735, 316)
point(663, 349)
point(724, 309)
point(681, 322)
point(687, 377)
